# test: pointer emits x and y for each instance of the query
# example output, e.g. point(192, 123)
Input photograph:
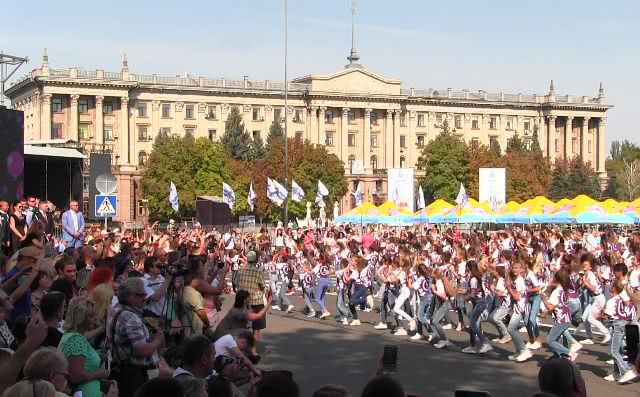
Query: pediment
point(352, 81)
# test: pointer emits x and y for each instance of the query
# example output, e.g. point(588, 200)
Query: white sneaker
point(610, 361)
point(416, 337)
point(469, 350)
point(290, 308)
point(628, 376)
point(446, 326)
point(355, 322)
point(412, 325)
point(401, 332)
point(325, 314)
point(523, 330)
point(575, 347)
point(367, 309)
point(345, 322)
point(607, 338)
point(442, 344)
point(429, 338)
point(495, 339)
point(610, 378)
point(535, 346)
point(587, 342)
point(275, 307)
point(485, 348)
point(381, 326)
point(524, 355)
point(512, 357)
point(504, 339)
point(311, 314)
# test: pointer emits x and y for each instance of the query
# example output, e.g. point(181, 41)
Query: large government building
point(369, 121)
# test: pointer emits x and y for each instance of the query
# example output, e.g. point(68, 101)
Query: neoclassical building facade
point(369, 121)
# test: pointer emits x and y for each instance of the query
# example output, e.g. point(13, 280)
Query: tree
point(631, 178)
point(622, 169)
point(528, 174)
point(445, 165)
point(535, 141)
point(236, 139)
point(258, 149)
point(516, 144)
point(572, 178)
point(173, 159)
point(494, 145)
point(478, 156)
point(275, 131)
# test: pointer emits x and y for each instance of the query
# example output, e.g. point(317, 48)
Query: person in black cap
point(226, 368)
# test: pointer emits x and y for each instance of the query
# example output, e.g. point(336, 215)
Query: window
point(212, 134)
point(403, 119)
point(299, 135)
point(188, 112)
point(190, 131)
point(510, 124)
point(255, 134)
point(328, 117)
point(475, 124)
point(527, 125)
point(475, 142)
point(83, 105)
point(56, 131)
point(493, 140)
point(351, 139)
point(211, 112)
point(142, 133)
point(256, 114)
point(351, 161)
point(492, 123)
point(403, 141)
point(328, 140)
point(297, 116)
point(420, 141)
point(56, 105)
point(374, 118)
point(142, 157)
point(277, 114)
point(107, 107)
point(83, 131)
point(108, 133)
point(403, 162)
point(166, 110)
point(165, 130)
point(557, 146)
point(374, 162)
point(351, 116)
point(458, 122)
point(140, 208)
point(374, 140)
point(421, 120)
point(439, 118)
point(142, 109)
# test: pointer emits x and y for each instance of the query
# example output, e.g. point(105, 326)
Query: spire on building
point(552, 89)
point(601, 93)
point(353, 55)
point(45, 58)
point(125, 63)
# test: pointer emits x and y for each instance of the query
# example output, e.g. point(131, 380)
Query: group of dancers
point(511, 278)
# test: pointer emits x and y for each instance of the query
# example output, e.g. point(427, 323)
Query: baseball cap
point(221, 362)
point(252, 257)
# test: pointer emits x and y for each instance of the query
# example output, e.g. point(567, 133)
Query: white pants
point(398, 308)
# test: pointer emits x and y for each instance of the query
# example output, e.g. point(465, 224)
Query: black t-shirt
point(53, 337)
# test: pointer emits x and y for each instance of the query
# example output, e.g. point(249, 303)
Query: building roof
point(48, 151)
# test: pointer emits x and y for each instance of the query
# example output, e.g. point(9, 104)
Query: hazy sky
point(510, 46)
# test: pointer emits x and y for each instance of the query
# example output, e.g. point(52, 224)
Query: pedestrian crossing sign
point(106, 206)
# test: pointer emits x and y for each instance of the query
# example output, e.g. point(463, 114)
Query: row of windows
point(373, 162)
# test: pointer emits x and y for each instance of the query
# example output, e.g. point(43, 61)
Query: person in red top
point(368, 239)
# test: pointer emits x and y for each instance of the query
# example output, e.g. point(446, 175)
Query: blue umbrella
point(514, 218)
point(558, 217)
point(594, 217)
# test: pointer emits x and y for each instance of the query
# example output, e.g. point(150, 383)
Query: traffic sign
point(106, 183)
point(106, 206)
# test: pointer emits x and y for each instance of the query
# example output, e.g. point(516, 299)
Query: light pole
point(286, 121)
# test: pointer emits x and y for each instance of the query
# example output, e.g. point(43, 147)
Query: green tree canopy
point(275, 131)
point(535, 141)
point(236, 139)
point(572, 178)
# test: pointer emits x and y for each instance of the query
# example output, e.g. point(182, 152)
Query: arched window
point(403, 162)
point(374, 163)
point(142, 158)
point(351, 160)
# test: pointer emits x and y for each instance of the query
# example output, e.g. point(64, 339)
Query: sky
point(498, 46)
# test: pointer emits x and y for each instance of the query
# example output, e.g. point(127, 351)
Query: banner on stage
point(493, 186)
point(400, 187)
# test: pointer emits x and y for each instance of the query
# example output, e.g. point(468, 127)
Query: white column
point(602, 138)
point(396, 137)
point(542, 137)
point(99, 121)
point(321, 128)
point(155, 118)
point(366, 142)
point(584, 150)
point(73, 117)
point(123, 135)
point(411, 140)
point(388, 140)
point(344, 130)
point(552, 138)
point(313, 135)
point(568, 138)
point(45, 127)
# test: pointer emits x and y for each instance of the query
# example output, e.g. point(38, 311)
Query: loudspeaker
point(11, 154)
point(99, 163)
point(211, 213)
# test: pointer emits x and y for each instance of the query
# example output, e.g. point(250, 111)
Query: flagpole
point(286, 111)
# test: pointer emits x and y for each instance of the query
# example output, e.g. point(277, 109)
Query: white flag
point(276, 192)
point(297, 194)
point(228, 196)
point(173, 197)
point(251, 198)
point(358, 194)
point(421, 203)
point(462, 199)
point(322, 191)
